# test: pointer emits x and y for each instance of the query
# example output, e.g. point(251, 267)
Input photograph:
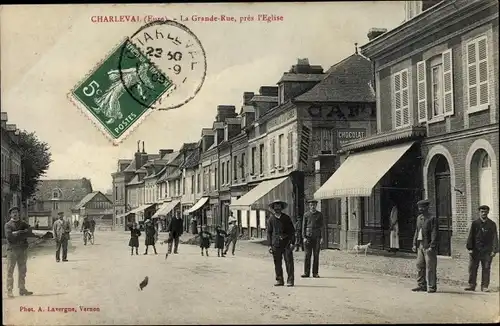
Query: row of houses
point(414, 115)
point(11, 167)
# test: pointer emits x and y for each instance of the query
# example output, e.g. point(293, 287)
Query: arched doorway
point(442, 182)
point(485, 178)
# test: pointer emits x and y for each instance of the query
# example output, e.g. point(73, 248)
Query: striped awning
point(165, 209)
point(357, 175)
point(263, 194)
point(196, 206)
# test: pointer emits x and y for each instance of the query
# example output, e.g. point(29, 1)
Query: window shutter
point(422, 91)
point(472, 74)
point(397, 100)
point(405, 93)
point(448, 82)
point(482, 51)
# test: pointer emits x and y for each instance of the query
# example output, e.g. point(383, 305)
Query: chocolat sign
point(349, 134)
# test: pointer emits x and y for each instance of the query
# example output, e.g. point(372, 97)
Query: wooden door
point(443, 213)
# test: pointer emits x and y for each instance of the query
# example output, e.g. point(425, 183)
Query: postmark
point(105, 94)
point(177, 52)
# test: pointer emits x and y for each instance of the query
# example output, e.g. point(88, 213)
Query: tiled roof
point(287, 76)
point(192, 160)
point(264, 98)
point(130, 167)
point(89, 197)
point(135, 181)
point(347, 81)
point(69, 189)
point(170, 157)
point(176, 174)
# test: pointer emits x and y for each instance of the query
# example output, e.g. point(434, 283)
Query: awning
point(166, 208)
point(263, 194)
point(140, 209)
point(196, 206)
point(357, 176)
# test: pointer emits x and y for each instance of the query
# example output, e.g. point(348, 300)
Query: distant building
point(96, 206)
point(53, 196)
point(11, 168)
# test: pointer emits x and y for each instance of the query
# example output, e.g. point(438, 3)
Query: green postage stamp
point(108, 96)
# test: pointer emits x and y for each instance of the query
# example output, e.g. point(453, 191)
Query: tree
point(35, 161)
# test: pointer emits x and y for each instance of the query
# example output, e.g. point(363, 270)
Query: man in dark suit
point(483, 246)
point(312, 233)
point(425, 243)
point(175, 230)
point(281, 240)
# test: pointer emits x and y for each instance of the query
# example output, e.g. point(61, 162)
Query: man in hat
point(61, 229)
point(281, 240)
point(16, 233)
point(232, 233)
point(312, 233)
point(425, 241)
point(483, 246)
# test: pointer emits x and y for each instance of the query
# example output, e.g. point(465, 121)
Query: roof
point(170, 157)
point(350, 80)
point(264, 98)
point(135, 181)
point(69, 189)
point(89, 197)
point(293, 77)
point(177, 173)
point(192, 160)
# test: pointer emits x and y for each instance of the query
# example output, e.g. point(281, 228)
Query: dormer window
point(281, 94)
point(243, 121)
point(226, 132)
point(56, 194)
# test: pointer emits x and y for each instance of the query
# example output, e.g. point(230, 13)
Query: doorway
point(442, 180)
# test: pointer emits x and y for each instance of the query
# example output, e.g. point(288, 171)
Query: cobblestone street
point(191, 289)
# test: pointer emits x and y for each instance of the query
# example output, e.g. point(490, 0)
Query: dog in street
point(364, 247)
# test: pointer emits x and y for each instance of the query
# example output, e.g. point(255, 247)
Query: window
point(243, 164)
point(223, 173)
point(281, 93)
point(281, 150)
point(192, 184)
point(437, 90)
point(226, 132)
point(55, 206)
point(184, 185)
point(477, 74)
point(235, 168)
point(401, 99)
point(412, 9)
point(216, 183)
point(261, 158)
point(253, 160)
point(228, 172)
point(56, 194)
point(198, 183)
point(179, 187)
point(290, 148)
point(116, 193)
point(273, 153)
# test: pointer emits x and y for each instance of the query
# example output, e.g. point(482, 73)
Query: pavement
point(99, 285)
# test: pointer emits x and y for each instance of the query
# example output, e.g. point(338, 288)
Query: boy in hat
point(483, 246)
point(61, 230)
point(312, 233)
point(16, 233)
point(232, 233)
point(281, 240)
point(425, 241)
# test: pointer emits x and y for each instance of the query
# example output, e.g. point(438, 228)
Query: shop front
point(199, 212)
point(165, 212)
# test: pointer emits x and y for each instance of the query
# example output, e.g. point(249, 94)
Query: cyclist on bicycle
point(86, 226)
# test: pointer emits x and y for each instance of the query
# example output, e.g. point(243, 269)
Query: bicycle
point(87, 236)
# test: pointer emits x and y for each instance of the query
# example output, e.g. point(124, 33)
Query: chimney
point(225, 111)
point(138, 146)
point(268, 90)
point(375, 32)
point(143, 151)
point(247, 96)
point(138, 159)
point(164, 152)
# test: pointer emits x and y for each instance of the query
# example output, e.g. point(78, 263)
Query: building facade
point(95, 206)
point(11, 168)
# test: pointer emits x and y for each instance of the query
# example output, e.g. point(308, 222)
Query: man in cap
point(483, 246)
point(281, 240)
point(16, 233)
point(425, 241)
point(232, 233)
point(312, 232)
point(61, 229)
point(175, 229)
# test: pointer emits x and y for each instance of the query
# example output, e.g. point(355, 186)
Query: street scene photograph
point(250, 163)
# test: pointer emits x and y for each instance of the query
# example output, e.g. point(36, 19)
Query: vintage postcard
point(250, 163)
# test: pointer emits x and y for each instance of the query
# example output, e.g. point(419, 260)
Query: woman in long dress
point(394, 237)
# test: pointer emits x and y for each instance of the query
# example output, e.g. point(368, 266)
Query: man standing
point(16, 233)
point(61, 235)
point(232, 233)
point(425, 243)
point(281, 240)
point(483, 246)
point(175, 231)
point(312, 231)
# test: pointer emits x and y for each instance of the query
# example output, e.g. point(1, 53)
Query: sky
point(46, 50)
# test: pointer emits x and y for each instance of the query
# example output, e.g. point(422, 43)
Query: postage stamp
point(160, 67)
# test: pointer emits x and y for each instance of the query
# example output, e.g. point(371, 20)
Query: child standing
point(135, 233)
point(220, 241)
point(205, 238)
